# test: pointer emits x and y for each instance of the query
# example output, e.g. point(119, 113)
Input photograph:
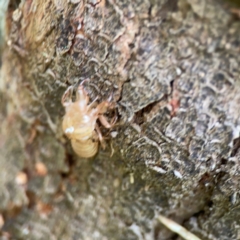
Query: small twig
point(175, 227)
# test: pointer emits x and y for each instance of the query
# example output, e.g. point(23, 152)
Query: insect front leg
point(65, 96)
point(105, 123)
point(101, 109)
point(100, 137)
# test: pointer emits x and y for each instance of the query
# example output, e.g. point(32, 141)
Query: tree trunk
point(172, 70)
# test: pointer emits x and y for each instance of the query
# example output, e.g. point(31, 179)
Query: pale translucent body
point(79, 122)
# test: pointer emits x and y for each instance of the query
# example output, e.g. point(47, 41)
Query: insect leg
point(93, 103)
point(105, 123)
point(85, 80)
point(66, 95)
point(102, 142)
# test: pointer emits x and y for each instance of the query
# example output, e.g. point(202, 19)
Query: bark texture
point(173, 70)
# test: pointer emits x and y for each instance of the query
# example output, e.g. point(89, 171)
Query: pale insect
point(80, 121)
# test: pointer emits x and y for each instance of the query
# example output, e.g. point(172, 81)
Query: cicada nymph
point(80, 121)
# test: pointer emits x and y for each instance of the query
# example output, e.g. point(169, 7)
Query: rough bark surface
point(173, 70)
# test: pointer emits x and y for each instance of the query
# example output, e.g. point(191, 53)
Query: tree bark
point(172, 69)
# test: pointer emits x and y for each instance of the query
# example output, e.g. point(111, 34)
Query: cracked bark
point(173, 68)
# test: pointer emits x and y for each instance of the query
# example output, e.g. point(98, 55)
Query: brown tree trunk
point(172, 69)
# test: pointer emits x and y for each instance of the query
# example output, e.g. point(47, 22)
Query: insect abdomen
point(85, 149)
